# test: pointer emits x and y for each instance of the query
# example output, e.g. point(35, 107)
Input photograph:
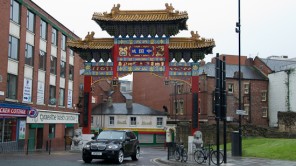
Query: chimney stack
point(109, 102)
point(129, 103)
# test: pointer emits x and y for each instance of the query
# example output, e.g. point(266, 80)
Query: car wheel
point(87, 159)
point(120, 157)
point(136, 155)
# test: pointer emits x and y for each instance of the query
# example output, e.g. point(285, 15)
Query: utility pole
point(238, 30)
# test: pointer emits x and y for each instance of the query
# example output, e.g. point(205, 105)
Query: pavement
point(163, 161)
point(231, 161)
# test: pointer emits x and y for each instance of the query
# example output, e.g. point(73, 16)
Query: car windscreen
point(111, 135)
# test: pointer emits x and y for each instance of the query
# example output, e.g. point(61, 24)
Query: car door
point(128, 143)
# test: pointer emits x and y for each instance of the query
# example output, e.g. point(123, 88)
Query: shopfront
point(13, 125)
point(54, 126)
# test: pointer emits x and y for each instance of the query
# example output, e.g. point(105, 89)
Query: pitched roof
point(278, 64)
point(249, 72)
point(116, 14)
point(175, 43)
point(93, 43)
point(120, 109)
point(190, 43)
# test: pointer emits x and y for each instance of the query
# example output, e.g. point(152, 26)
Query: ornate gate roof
point(118, 22)
point(132, 24)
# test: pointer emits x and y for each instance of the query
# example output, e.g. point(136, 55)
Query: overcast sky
point(268, 27)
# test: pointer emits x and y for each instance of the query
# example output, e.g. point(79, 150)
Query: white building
point(148, 124)
point(282, 88)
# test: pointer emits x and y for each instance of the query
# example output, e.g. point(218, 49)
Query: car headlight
point(86, 146)
point(112, 146)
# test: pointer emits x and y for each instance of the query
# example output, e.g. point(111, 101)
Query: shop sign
point(33, 113)
point(53, 117)
point(27, 92)
point(13, 111)
point(22, 129)
point(18, 112)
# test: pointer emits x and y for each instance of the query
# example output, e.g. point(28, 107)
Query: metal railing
point(27, 147)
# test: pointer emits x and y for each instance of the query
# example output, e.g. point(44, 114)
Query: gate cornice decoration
point(142, 42)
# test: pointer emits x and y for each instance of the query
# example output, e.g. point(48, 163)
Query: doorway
point(39, 142)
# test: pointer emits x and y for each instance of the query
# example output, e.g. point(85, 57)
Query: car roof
point(119, 130)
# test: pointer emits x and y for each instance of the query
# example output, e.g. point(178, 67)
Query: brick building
point(281, 74)
point(150, 90)
point(38, 74)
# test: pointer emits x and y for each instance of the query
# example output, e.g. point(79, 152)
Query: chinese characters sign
point(141, 58)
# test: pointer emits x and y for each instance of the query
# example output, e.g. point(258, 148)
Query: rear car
point(112, 144)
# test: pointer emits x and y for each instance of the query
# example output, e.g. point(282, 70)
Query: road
point(65, 158)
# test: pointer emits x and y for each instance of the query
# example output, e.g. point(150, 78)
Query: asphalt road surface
point(66, 158)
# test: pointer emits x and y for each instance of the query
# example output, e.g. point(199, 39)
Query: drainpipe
point(250, 103)
point(288, 89)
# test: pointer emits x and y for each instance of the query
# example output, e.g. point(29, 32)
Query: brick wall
point(4, 34)
point(150, 90)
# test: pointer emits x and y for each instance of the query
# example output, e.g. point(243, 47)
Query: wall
point(277, 96)
point(123, 121)
point(292, 89)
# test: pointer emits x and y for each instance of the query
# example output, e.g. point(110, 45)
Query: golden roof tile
point(140, 15)
point(193, 42)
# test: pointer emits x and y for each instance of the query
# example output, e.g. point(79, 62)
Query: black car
point(112, 144)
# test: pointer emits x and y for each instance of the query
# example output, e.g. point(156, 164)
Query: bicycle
point(201, 155)
point(181, 153)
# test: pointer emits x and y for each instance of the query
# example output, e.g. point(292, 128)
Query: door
point(129, 143)
point(39, 138)
point(31, 139)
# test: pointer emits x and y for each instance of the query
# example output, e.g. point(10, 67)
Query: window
point(246, 109)
point(230, 88)
point(15, 11)
point(263, 96)
point(52, 95)
point(11, 86)
point(111, 120)
point(264, 112)
point(63, 42)
point(180, 88)
point(71, 72)
point(54, 37)
point(53, 65)
point(62, 97)
point(13, 50)
point(30, 21)
point(51, 133)
point(176, 106)
point(29, 54)
point(71, 52)
point(131, 135)
point(43, 29)
point(159, 121)
point(179, 104)
point(180, 107)
point(133, 121)
point(8, 129)
point(63, 69)
point(246, 88)
point(42, 60)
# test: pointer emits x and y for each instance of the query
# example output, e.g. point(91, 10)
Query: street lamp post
point(238, 30)
point(176, 105)
point(101, 125)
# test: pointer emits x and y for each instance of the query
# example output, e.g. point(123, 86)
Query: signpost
point(241, 112)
